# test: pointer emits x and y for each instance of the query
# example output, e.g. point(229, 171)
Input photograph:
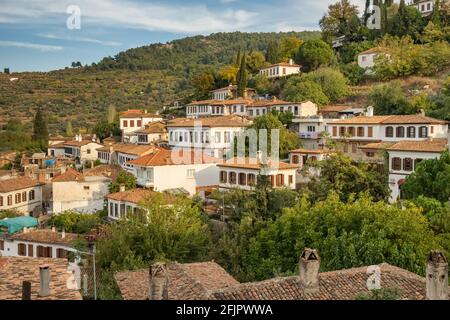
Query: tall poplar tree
point(40, 130)
point(242, 76)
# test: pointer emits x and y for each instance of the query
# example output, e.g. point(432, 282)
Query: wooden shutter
point(30, 250)
point(370, 132)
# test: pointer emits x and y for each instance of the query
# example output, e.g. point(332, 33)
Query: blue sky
point(34, 35)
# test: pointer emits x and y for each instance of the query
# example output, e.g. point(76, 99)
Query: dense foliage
point(74, 222)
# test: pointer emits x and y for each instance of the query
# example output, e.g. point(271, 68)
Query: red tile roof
point(105, 170)
point(136, 150)
point(282, 64)
point(396, 119)
point(191, 281)
point(436, 145)
point(18, 183)
point(46, 236)
point(138, 195)
point(224, 121)
point(254, 164)
point(134, 113)
point(69, 175)
point(15, 270)
point(164, 157)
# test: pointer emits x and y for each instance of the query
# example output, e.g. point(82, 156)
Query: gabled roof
point(135, 113)
point(69, 175)
point(153, 127)
point(18, 183)
point(74, 143)
point(105, 170)
point(15, 270)
point(268, 103)
point(164, 157)
point(137, 195)
point(333, 108)
point(232, 88)
point(435, 145)
point(191, 281)
point(227, 102)
point(371, 50)
point(282, 64)
point(46, 236)
point(311, 151)
point(132, 149)
point(254, 164)
point(224, 121)
point(393, 119)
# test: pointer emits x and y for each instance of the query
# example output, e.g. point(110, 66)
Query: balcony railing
point(309, 135)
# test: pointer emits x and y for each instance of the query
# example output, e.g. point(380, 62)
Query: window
point(44, 252)
point(88, 151)
point(342, 131)
point(24, 196)
point(191, 173)
point(291, 179)
point(360, 131)
point(334, 131)
point(30, 250)
point(18, 198)
point(242, 179)
point(21, 249)
point(232, 178)
point(251, 179)
point(139, 123)
point(227, 137)
point(217, 136)
point(2, 245)
point(396, 164)
point(86, 188)
point(125, 123)
point(311, 129)
point(345, 147)
point(132, 123)
point(400, 132)
point(61, 253)
point(423, 132)
point(363, 58)
point(411, 132)
point(389, 132)
point(31, 195)
point(295, 159)
point(9, 200)
point(1, 201)
point(370, 154)
point(432, 129)
point(280, 180)
point(407, 164)
point(354, 147)
point(370, 132)
point(351, 131)
point(223, 177)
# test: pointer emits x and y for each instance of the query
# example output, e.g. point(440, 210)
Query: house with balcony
point(351, 135)
point(163, 170)
point(404, 156)
point(135, 120)
point(280, 70)
point(243, 173)
point(213, 136)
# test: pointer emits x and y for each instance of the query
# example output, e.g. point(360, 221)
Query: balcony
point(309, 135)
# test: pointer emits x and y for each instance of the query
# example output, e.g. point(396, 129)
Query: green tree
point(69, 129)
point(229, 73)
point(332, 82)
point(255, 61)
point(40, 130)
point(104, 129)
point(273, 52)
point(75, 222)
point(111, 114)
point(315, 53)
point(338, 173)
point(407, 21)
point(242, 76)
point(300, 89)
point(389, 99)
point(123, 178)
point(335, 22)
point(353, 72)
point(203, 84)
point(289, 46)
point(431, 179)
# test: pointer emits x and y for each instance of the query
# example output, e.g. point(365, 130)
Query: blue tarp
point(49, 163)
point(17, 224)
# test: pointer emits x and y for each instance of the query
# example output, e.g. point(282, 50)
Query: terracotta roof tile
point(334, 108)
point(396, 119)
point(18, 183)
point(154, 127)
point(15, 270)
point(134, 113)
point(105, 170)
point(282, 64)
point(77, 143)
point(69, 175)
point(253, 163)
point(45, 236)
point(436, 145)
point(138, 195)
point(311, 151)
point(137, 150)
point(164, 157)
point(224, 121)
point(191, 281)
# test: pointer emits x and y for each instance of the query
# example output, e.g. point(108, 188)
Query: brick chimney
point(44, 275)
point(437, 276)
point(309, 270)
point(158, 282)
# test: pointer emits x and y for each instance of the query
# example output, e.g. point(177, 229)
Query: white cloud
point(80, 39)
point(28, 45)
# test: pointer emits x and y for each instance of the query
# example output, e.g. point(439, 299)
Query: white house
point(425, 7)
point(260, 107)
point(79, 192)
point(280, 70)
point(217, 108)
point(152, 133)
point(304, 157)
point(230, 92)
point(212, 135)
point(404, 157)
point(134, 120)
point(366, 59)
point(22, 194)
point(243, 173)
point(38, 243)
point(81, 150)
point(353, 133)
point(164, 170)
point(120, 154)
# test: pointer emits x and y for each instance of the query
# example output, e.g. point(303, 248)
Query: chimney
point(421, 112)
point(291, 62)
point(437, 276)
point(158, 282)
point(26, 290)
point(63, 234)
point(309, 270)
point(53, 229)
point(44, 274)
point(122, 188)
point(369, 111)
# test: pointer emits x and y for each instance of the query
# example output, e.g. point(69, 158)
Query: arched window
point(251, 179)
point(31, 195)
point(361, 131)
point(396, 164)
point(232, 178)
point(423, 132)
point(400, 132)
point(407, 164)
point(411, 132)
point(242, 179)
point(223, 177)
point(389, 132)
point(351, 131)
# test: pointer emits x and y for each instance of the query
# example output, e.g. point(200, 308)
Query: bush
point(332, 82)
point(353, 72)
point(299, 89)
point(78, 223)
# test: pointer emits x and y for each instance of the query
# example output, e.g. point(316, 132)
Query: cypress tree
point(272, 53)
point(40, 130)
point(242, 76)
point(436, 16)
point(238, 58)
point(69, 129)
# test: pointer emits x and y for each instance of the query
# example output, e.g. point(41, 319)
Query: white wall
point(367, 61)
point(26, 207)
point(11, 248)
point(72, 195)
